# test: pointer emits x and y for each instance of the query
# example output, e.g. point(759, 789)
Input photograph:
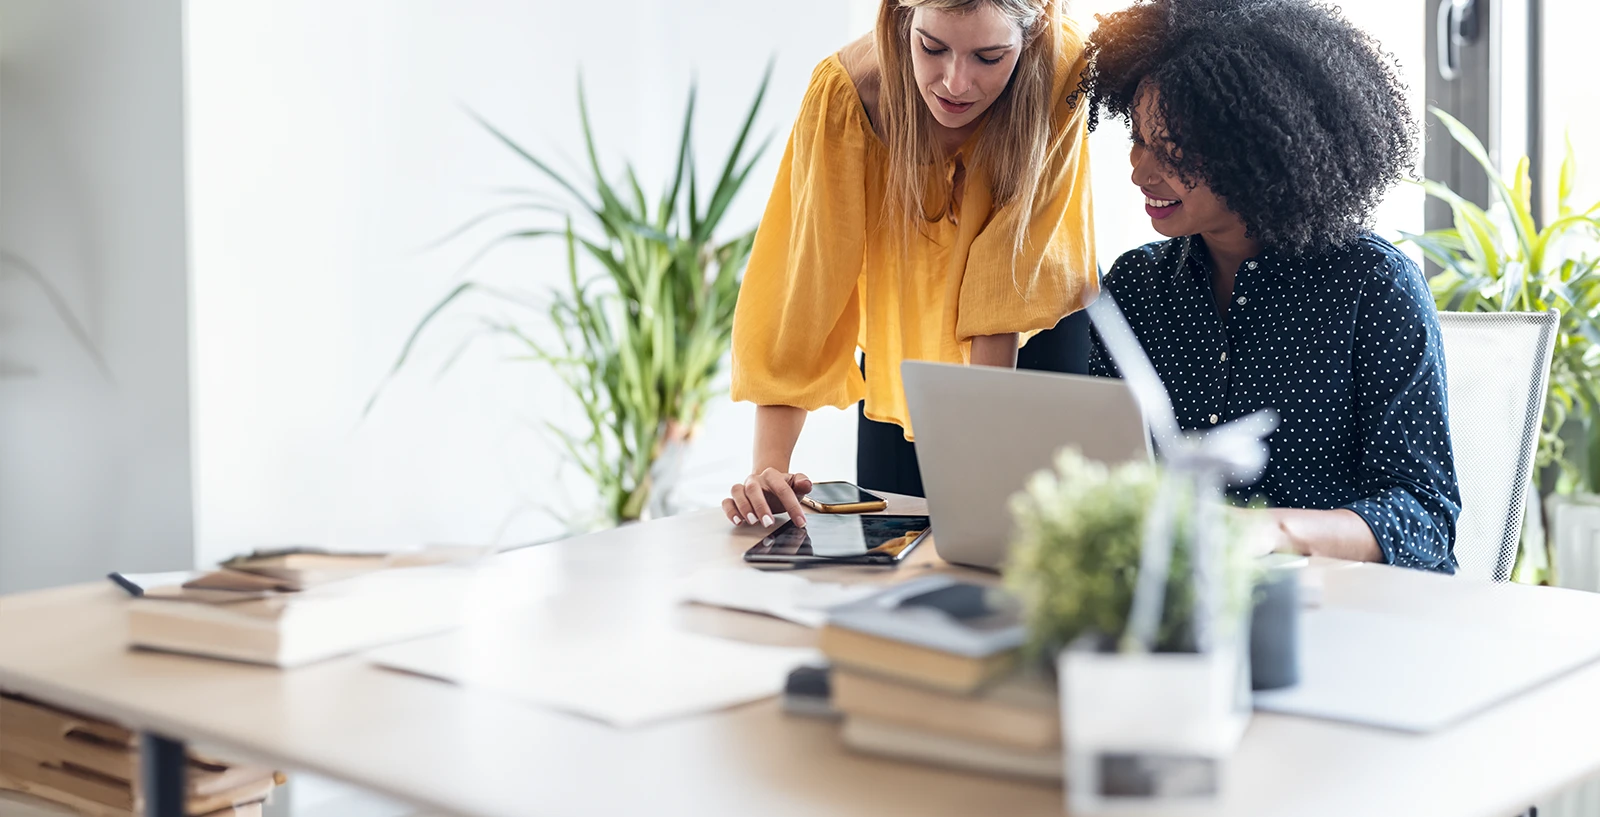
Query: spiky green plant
point(639, 344)
point(1500, 260)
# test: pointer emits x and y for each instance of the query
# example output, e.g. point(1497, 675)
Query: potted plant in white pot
point(1138, 580)
point(1142, 720)
point(1501, 259)
point(643, 317)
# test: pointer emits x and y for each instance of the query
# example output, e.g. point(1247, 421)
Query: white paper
point(625, 680)
point(1412, 674)
point(784, 595)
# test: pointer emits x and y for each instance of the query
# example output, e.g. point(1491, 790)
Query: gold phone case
point(847, 507)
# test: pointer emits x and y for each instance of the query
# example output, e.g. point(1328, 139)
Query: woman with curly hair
point(933, 204)
point(1264, 134)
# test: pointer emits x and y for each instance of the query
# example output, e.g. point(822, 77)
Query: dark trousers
point(887, 462)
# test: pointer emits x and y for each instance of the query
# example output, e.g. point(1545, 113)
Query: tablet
point(871, 539)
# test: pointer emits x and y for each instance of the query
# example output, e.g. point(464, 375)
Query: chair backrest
point(1498, 368)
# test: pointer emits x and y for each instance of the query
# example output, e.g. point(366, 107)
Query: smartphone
point(869, 540)
point(841, 497)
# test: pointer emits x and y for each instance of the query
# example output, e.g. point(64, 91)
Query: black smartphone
point(868, 540)
point(841, 497)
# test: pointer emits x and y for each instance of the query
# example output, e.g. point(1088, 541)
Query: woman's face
point(963, 60)
point(1175, 208)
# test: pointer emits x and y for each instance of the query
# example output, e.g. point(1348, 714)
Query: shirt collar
point(1195, 259)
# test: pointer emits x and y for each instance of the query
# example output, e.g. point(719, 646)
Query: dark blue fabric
point(1345, 347)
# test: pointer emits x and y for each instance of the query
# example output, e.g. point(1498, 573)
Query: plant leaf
point(411, 341)
point(486, 216)
point(1567, 180)
point(1520, 217)
point(669, 203)
point(531, 159)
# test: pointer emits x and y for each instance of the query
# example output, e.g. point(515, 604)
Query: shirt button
point(1249, 265)
point(1224, 357)
point(1242, 299)
point(1213, 419)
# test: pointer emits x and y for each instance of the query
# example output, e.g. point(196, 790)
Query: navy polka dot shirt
point(1344, 347)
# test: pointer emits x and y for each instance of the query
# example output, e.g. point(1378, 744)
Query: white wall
point(327, 145)
point(94, 470)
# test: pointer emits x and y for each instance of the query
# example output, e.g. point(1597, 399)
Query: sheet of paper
point(623, 679)
point(1415, 675)
point(788, 596)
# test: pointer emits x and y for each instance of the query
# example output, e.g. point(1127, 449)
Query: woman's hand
point(753, 500)
point(1338, 534)
point(1261, 531)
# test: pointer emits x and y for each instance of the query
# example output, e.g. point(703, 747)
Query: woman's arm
point(777, 430)
point(1408, 502)
point(995, 350)
point(770, 485)
point(1338, 534)
point(1406, 474)
point(796, 321)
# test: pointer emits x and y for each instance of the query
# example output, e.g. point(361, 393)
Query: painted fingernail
point(751, 517)
point(799, 521)
point(735, 520)
point(766, 520)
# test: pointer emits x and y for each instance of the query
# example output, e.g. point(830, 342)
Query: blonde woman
point(932, 204)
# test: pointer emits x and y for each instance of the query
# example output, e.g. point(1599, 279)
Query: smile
point(1160, 208)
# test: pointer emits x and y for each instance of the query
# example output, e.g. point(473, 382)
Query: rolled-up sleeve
point(1406, 473)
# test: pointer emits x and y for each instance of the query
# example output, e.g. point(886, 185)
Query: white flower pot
point(1152, 730)
point(1575, 541)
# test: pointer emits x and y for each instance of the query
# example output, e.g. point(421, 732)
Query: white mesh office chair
point(1498, 368)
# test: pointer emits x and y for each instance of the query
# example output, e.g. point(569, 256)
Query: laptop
point(982, 431)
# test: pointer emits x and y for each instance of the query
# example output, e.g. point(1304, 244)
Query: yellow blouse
point(825, 277)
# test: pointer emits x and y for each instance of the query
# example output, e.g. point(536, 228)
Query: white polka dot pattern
point(1345, 347)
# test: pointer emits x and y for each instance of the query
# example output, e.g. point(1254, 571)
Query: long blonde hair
point(1015, 140)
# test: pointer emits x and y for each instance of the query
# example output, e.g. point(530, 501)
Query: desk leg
point(164, 763)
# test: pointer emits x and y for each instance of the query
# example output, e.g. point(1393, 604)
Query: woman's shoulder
point(1072, 60)
point(859, 63)
point(1375, 271)
point(839, 85)
point(1371, 259)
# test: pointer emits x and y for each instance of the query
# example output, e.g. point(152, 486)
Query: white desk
point(475, 754)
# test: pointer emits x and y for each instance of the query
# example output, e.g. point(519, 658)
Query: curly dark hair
point(1295, 118)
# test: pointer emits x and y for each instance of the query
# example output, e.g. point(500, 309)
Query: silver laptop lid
point(982, 431)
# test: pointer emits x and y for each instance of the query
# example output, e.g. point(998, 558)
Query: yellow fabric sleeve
point(795, 326)
point(1054, 275)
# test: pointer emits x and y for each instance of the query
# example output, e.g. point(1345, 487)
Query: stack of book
point(286, 609)
point(92, 767)
point(929, 671)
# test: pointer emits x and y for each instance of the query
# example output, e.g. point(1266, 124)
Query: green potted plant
point(644, 318)
point(1500, 259)
point(1079, 550)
